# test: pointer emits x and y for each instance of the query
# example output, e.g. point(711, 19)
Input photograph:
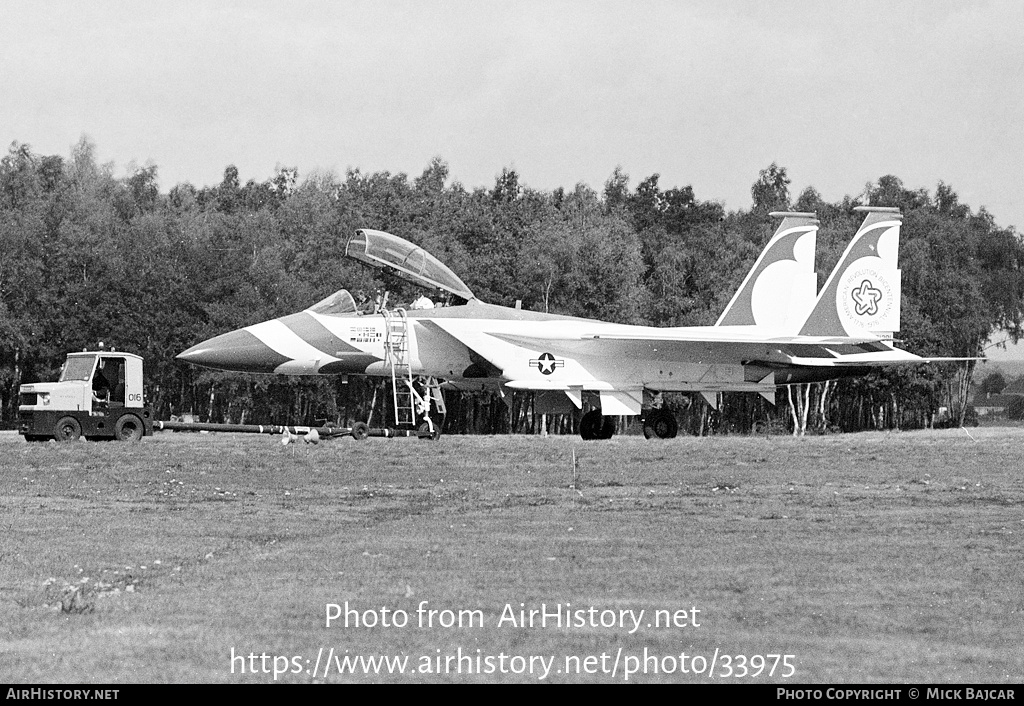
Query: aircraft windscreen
point(410, 262)
point(341, 302)
point(78, 368)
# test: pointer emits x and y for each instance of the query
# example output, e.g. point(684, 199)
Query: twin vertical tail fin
point(862, 295)
point(779, 290)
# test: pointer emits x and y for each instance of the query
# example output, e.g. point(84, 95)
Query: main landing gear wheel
point(360, 431)
point(595, 425)
point(128, 428)
point(660, 423)
point(67, 429)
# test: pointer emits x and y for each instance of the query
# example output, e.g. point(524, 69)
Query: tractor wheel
point(662, 424)
point(128, 428)
point(67, 429)
point(360, 431)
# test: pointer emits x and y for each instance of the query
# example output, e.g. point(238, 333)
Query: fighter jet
point(773, 332)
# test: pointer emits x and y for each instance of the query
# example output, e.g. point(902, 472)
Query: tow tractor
point(98, 396)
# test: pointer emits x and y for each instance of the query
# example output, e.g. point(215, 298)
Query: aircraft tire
point(587, 426)
point(360, 431)
point(596, 426)
point(67, 429)
point(128, 428)
point(426, 433)
point(660, 424)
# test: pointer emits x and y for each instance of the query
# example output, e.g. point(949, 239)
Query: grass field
point(875, 557)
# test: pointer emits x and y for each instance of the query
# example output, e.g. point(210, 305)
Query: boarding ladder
point(412, 397)
point(396, 358)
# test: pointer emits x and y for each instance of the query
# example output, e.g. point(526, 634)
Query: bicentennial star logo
point(547, 363)
point(866, 298)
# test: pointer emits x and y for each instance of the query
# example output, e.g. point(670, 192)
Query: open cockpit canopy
point(405, 260)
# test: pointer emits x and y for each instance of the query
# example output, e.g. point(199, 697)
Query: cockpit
point(338, 304)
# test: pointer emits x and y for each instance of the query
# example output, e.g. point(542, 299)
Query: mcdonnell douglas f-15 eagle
point(775, 331)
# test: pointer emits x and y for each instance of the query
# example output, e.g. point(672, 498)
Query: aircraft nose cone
point(238, 350)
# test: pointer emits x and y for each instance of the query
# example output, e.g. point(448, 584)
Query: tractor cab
point(98, 380)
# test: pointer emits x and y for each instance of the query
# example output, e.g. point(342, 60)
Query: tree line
point(86, 256)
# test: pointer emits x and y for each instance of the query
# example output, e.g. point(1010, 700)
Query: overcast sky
point(703, 93)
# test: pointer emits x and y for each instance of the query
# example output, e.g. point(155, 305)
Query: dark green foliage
point(993, 383)
point(1015, 410)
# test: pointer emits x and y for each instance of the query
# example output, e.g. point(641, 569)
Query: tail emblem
point(867, 296)
point(865, 299)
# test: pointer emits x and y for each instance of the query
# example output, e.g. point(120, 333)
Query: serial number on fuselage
point(364, 334)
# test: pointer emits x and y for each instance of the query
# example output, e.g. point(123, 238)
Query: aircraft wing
point(800, 351)
point(694, 348)
point(570, 355)
point(807, 351)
